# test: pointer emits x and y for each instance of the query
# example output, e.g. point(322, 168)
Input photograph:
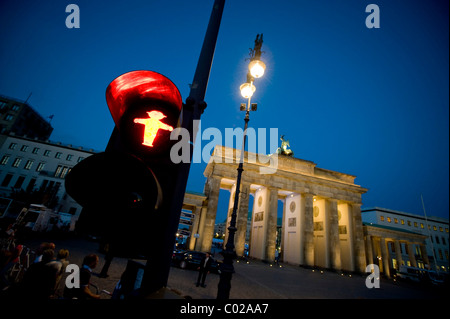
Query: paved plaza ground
point(255, 279)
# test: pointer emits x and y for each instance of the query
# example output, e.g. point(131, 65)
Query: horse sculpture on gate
point(284, 149)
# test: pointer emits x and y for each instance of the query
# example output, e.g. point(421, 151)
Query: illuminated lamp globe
point(247, 90)
point(256, 68)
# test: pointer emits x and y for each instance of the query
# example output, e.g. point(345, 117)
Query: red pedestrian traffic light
point(128, 191)
point(120, 188)
point(145, 107)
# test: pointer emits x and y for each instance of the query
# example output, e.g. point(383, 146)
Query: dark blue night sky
point(368, 102)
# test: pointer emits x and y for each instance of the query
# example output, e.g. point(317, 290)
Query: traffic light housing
point(126, 191)
point(119, 194)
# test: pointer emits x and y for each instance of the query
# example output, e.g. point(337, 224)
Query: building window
point(402, 221)
point(389, 219)
point(24, 148)
point(29, 164)
point(437, 240)
point(9, 117)
point(69, 157)
point(6, 180)
point(64, 172)
point(2, 105)
point(44, 185)
point(421, 225)
point(19, 182)
point(61, 171)
point(5, 159)
point(58, 155)
point(382, 218)
point(40, 167)
point(15, 107)
point(16, 162)
point(47, 153)
point(396, 220)
point(409, 223)
point(417, 250)
point(35, 150)
point(434, 228)
point(391, 246)
point(58, 171)
point(441, 229)
point(12, 146)
point(31, 184)
point(80, 159)
point(415, 224)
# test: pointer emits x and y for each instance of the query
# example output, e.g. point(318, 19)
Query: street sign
point(187, 215)
point(185, 222)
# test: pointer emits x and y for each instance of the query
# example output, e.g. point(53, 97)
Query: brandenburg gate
point(321, 225)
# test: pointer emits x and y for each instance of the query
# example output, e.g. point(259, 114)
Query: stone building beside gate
point(322, 223)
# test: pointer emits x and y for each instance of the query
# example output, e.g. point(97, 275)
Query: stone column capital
point(212, 184)
point(272, 188)
point(245, 183)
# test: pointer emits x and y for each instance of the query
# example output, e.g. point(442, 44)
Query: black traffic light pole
point(192, 110)
point(195, 103)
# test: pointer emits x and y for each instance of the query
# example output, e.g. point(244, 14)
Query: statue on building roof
point(284, 149)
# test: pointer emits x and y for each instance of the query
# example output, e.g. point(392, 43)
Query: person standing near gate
point(277, 257)
point(204, 268)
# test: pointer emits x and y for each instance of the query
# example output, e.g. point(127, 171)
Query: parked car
point(191, 260)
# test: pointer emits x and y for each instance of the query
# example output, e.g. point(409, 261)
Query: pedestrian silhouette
point(277, 257)
point(204, 268)
point(109, 256)
point(152, 125)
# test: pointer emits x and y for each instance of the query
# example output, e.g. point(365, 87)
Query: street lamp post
point(256, 70)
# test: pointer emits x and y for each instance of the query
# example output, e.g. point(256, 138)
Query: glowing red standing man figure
point(152, 125)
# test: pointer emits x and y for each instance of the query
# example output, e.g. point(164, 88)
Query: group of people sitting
point(42, 279)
